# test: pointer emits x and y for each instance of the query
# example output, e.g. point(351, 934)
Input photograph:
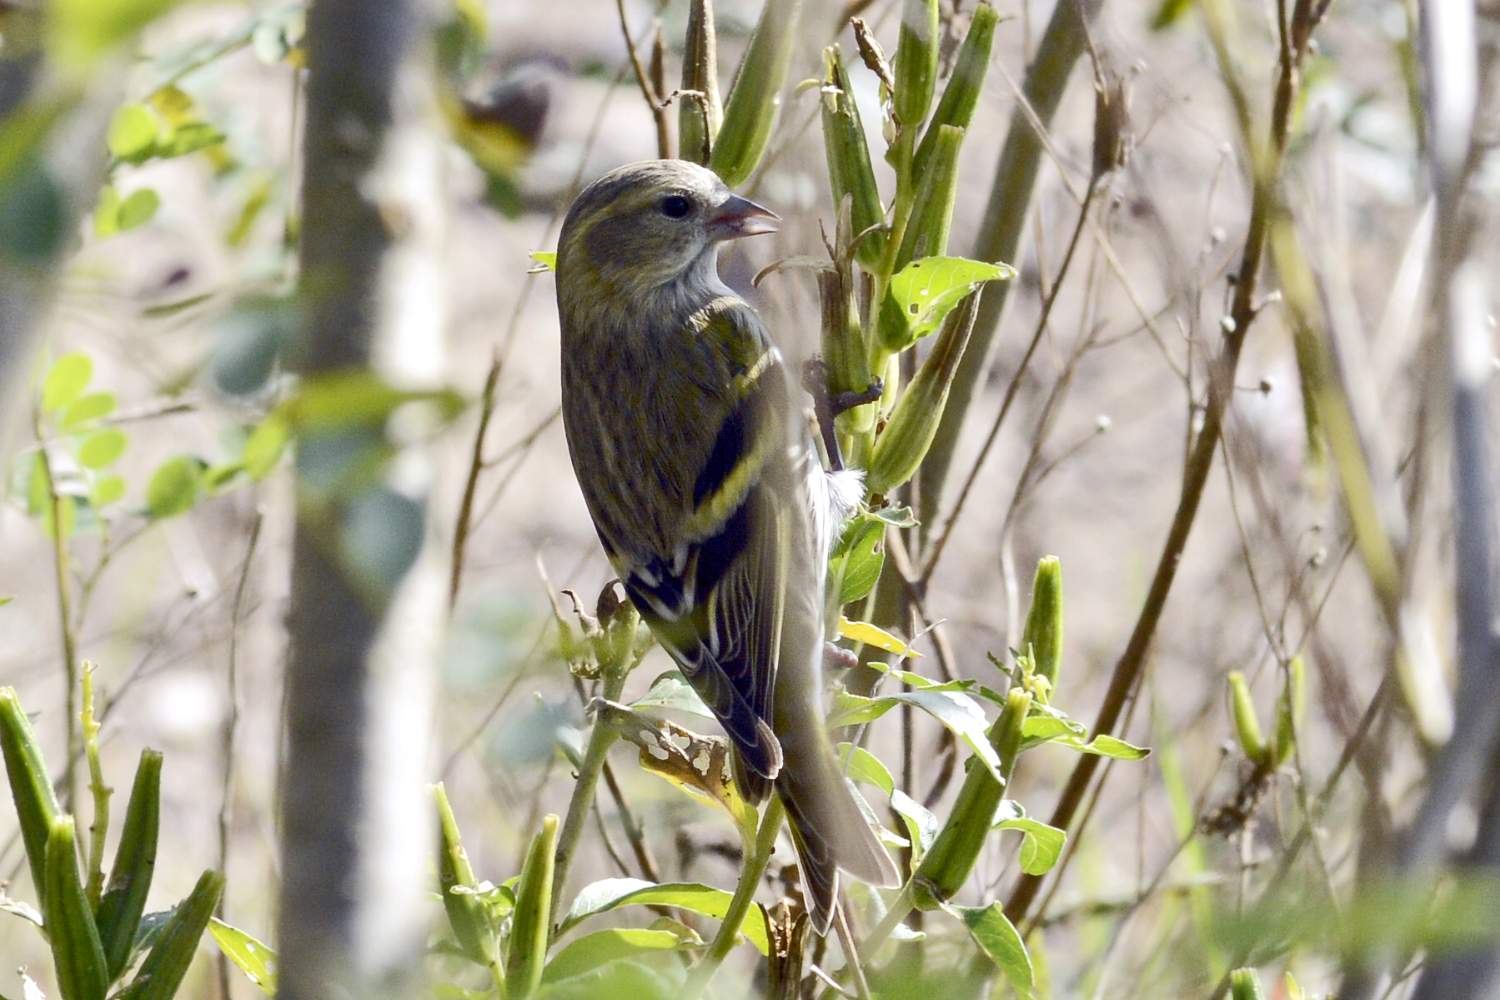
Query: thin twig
point(648, 93)
point(231, 728)
point(471, 481)
point(1013, 388)
point(1132, 663)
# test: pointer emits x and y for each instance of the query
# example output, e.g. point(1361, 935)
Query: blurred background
point(1086, 467)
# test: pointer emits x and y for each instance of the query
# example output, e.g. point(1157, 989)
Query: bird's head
point(650, 224)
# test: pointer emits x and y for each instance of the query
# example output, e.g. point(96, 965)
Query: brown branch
point(1128, 670)
point(652, 97)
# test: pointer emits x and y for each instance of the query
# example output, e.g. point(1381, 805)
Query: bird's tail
point(829, 830)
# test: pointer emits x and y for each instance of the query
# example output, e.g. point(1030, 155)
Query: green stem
point(757, 856)
point(902, 905)
point(99, 828)
point(65, 624)
point(601, 738)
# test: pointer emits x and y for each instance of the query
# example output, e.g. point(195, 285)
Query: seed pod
point(1289, 710)
point(166, 964)
point(844, 350)
point(849, 171)
point(699, 117)
point(466, 914)
point(30, 788)
point(1043, 636)
point(1244, 984)
point(532, 920)
point(1246, 724)
point(756, 93)
point(903, 444)
point(947, 864)
point(872, 55)
point(1111, 125)
point(961, 95)
point(124, 899)
point(932, 211)
point(77, 955)
point(916, 63)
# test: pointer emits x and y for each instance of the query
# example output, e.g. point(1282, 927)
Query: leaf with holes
point(254, 958)
point(927, 290)
point(858, 558)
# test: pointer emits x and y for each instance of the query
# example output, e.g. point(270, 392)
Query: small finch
point(705, 490)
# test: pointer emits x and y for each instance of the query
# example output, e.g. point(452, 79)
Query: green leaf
point(66, 380)
point(358, 398)
point(82, 30)
point(264, 447)
point(954, 709)
point(862, 765)
point(107, 490)
point(102, 449)
point(921, 825)
point(874, 635)
point(174, 485)
point(189, 137)
point(1109, 746)
point(1169, 13)
point(1041, 843)
point(612, 893)
point(670, 691)
point(998, 938)
point(927, 290)
point(87, 409)
point(132, 132)
point(254, 958)
point(138, 208)
point(543, 261)
point(858, 558)
point(591, 951)
point(107, 212)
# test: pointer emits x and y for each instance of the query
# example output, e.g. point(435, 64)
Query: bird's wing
point(717, 602)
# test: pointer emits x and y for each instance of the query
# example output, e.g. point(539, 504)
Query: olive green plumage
point(704, 489)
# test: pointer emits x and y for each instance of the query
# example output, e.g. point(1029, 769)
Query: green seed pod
point(30, 788)
point(532, 920)
point(77, 955)
point(915, 69)
point(932, 211)
point(124, 899)
point(961, 95)
point(947, 864)
point(756, 93)
point(166, 964)
point(466, 914)
point(1246, 724)
point(1244, 984)
point(903, 444)
point(1289, 708)
point(698, 118)
point(844, 350)
point(1043, 636)
point(849, 171)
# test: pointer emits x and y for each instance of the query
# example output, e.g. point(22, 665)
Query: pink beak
point(737, 217)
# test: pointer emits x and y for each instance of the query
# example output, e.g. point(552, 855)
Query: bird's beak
point(736, 217)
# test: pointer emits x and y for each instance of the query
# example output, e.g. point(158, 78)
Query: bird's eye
point(675, 206)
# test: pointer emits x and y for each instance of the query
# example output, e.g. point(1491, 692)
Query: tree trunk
point(367, 577)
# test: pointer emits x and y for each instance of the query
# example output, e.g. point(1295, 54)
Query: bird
point(705, 489)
